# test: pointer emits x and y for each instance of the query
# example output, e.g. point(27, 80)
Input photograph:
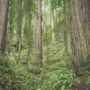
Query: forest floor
point(82, 78)
point(82, 85)
point(54, 75)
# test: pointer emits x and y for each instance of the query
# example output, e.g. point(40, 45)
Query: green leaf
point(38, 89)
point(62, 88)
point(70, 85)
point(88, 80)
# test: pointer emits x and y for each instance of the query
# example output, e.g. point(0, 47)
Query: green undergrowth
point(88, 82)
point(15, 77)
point(51, 77)
point(85, 72)
point(63, 79)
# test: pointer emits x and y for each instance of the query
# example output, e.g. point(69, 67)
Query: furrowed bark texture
point(4, 5)
point(79, 30)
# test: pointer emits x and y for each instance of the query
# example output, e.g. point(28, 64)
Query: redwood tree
point(65, 31)
point(39, 35)
point(19, 28)
point(79, 30)
point(4, 5)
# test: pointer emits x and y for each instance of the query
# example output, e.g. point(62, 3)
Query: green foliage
point(16, 77)
point(55, 4)
point(59, 80)
point(47, 36)
point(55, 73)
point(13, 76)
point(88, 82)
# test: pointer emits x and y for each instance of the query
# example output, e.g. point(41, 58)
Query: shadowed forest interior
point(44, 44)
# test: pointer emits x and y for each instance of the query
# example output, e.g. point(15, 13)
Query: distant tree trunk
point(79, 30)
point(53, 24)
point(28, 53)
point(35, 33)
point(65, 32)
point(19, 30)
point(10, 37)
point(10, 29)
point(29, 43)
point(45, 19)
point(4, 6)
point(39, 34)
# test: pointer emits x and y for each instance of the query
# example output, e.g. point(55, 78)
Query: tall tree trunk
point(65, 32)
point(28, 53)
point(53, 24)
point(29, 43)
point(39, 34)
point(79, 29)
point(19, 30)
point(10, 37)
point(4, 6)
point(10, 29)
point(87, 25)
point(35, 33)
point(45, 19)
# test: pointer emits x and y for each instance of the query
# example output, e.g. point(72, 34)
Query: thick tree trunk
point(65, 32)
point(88, 26)
point(39, 35)
point(79, 30)
point(4, 5)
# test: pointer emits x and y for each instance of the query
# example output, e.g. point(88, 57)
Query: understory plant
point(59, 80)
